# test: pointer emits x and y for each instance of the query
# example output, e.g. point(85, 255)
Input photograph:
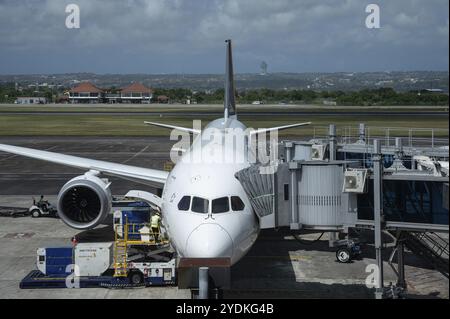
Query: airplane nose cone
point(209, 241)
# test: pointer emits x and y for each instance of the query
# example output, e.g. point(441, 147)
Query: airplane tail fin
point(229, 101)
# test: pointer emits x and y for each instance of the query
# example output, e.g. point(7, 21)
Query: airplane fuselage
point(205, 210)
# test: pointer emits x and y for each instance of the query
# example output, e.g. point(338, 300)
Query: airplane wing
point(147, 176)
point(278, 128)
point(180, 128)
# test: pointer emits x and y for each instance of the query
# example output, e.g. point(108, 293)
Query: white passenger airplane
point(204, 208)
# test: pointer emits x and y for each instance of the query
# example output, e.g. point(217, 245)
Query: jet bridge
point(335, 183)
point(301, 195)
point(329, 186)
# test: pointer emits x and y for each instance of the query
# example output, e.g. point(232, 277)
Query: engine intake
point(84, 201)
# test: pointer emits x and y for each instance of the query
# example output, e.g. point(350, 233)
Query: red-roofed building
point(136, 93)
point(86, 92)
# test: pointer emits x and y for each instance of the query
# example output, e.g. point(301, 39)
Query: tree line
point(366, 97)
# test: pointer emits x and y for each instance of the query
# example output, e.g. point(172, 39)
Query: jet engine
point(84, 201)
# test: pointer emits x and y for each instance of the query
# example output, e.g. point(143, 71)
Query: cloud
point(187, 36)
point(403, 20)
point(443, 30)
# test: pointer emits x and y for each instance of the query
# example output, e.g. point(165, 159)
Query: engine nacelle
point(84, 201)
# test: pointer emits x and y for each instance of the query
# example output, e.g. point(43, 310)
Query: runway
point(241, 113)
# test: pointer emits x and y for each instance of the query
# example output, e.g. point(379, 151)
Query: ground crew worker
point(43, 204)
point(74, 241)
point(155, 224)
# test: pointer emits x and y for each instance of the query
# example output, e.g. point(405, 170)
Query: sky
point(179, 36)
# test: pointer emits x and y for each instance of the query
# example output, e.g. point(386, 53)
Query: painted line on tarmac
point(137, 154)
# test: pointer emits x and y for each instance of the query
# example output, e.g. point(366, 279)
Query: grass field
point(132, 108)
point(85, 124)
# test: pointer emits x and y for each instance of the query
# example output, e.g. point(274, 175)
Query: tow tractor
point(39, 208)
point(42, 208)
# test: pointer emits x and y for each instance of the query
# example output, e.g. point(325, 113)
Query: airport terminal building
point(31, 100)
point(136, 93)
point(86, 92)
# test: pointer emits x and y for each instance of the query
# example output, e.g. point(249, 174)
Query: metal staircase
point(132, 235)
point(121, 254)
point(431, 247)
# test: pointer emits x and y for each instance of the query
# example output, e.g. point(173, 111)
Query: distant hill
point(400, 81)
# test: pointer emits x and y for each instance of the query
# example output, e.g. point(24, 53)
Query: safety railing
point(412, 137)
point(138, 234)
point(132, 235)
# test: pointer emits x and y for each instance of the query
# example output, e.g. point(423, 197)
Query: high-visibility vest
point(155, 221)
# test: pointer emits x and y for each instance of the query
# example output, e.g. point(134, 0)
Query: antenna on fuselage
point(229, 101)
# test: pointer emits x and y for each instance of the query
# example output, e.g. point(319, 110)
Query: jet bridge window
point(200, 205)
point(184, 203)
point(220, 205)
point(236, 203)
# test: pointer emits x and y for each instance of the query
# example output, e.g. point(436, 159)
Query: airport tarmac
point(21, 175)
point(278, 265)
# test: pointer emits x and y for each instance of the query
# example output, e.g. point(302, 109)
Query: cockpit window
point(220, 205)
point(184, 203)
point(200, 205)
point(237, 203)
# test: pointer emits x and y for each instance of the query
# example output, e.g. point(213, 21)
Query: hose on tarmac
point(309, 242)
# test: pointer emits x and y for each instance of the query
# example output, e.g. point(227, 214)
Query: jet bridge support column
point(290, 149)
point(295, 225)
point(401, 282)
point(332, 236)
point(377, 158)
point(203, 288)
point(332, 141)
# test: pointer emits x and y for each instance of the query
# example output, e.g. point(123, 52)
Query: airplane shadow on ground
point(269, 270)
point(366, 239)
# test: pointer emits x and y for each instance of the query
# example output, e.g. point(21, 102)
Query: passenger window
point(200, 205)
point(220, 205)
point(237, 203)
point(184, 203)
